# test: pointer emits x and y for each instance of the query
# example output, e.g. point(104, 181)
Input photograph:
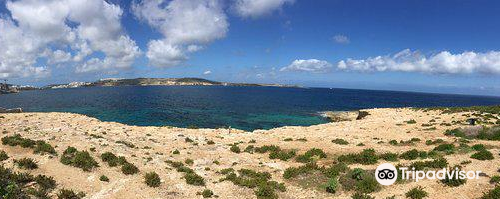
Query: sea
point(246, 108)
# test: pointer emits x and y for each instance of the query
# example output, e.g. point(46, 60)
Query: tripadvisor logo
point(387, 174)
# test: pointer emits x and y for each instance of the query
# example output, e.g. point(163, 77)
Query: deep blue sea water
point(246, 108)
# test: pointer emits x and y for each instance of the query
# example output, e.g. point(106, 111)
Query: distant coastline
point(157, 82)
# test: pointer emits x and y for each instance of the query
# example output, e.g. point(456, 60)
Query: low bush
point(447, 148)
point(495, 179)
point(176, 152)
point(393, 142)
point(492, 194)
point(331, 186)
point(340, 141)
point(413, 154)
point(416, 193)
point(434, 164)
point(293, 172)
point(253, 179)
point(437, 141)
point(3, 156)
point(207, 193)
point(282, 155)
point(392, 157)
point(45, 182)
point(358, 195)
point(152, 179)
point(129, 169)
point(104, 178)
point(359, 180)
point(210, 142)
point(69, 194)
point(478, 147)
point(412, 121)
point(362, 114)
point(81, 159)
point(189, 175)
point(482, 155)
point(189, 161)
point(38, 146)
point(235, 149)
point(365, 157)
point(453, 182)
point(267, 148)
point(311, 155)
point(26, 163)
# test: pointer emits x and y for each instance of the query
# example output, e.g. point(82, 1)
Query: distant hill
point(156, 81)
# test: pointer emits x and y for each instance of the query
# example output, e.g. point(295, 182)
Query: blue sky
point(428, 46)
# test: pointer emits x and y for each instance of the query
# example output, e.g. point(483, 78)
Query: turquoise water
point(246, 108)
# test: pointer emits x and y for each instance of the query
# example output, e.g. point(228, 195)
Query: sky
point(425, 46)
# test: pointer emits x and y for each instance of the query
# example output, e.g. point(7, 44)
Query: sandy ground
point(154, 145)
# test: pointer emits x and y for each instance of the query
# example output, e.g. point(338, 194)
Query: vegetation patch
point(3, 156)
point(413, 154)
point(23, 185)
point(311, 155)
point(416, 193)
point(453, 182)
point(152, 179)
point(69, 194)
point(412, 121)
point(26, 163)
point(482, 155)
point(340, 141)
point(189, 175)
point(432, 142)
point(447, 148)
point(207, 193)
point(38, 146)
point(260, 181)
point(81, 159)
point(360, 180)
point(365, 157)
point(104, 178)
point(429, 164)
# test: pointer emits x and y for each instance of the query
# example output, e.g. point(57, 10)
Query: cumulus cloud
point(207, 72)
point(258, 8)
point(341, 39)
point(63, 31)
point(440, 63)
point(309, 65)
point(186, 26)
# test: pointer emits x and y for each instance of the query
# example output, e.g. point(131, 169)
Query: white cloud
point(258, 8)
point(207, 72)
point(309, 65)
point(440, 63)
point(341, 39)
point(50, 28)
point(185, 25)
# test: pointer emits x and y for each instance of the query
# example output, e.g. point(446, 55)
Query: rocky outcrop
point(14, 110)
point(339, 116)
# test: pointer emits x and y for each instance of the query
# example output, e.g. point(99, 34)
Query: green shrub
point(478, 147)
point(253, 179)
point(282, 155)
point(267, 148)
point(210, 142)
point(189, 161)
point(448, 148)
point(38, 146)
point(482, 155)
point(3, 156)
point(69, 194)
point(358, 195)
point(412, 121)
point(104, 178)
point(129, 169)
point(410, 155)
point(389, 156)
point(310, 155)
point(416, 193)
point(393, 142)
point(249, 149)
point(453, 182)
point(45, 182)
point(437, 141)
point(81, 159)
point(366, 157)
point(235, 149)
point(265, 192)
point(359, 180)
point(26, 163)
point(492, 194)
point(292, 172)
point(362, 114)
point(340, 141)
point(128, 144)
point(434, 164)
point(112, 159)
point(331, 186)
point(207, 193)
point(334, 170)
point(152, 179)
point(188, 139)
point(288, 139)
point(176, 152)
point(194, 179)
point(495, 179)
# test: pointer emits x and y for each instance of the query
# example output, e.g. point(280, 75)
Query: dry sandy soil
point(154, 145)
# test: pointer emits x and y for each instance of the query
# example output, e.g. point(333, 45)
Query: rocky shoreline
point(192, 163)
